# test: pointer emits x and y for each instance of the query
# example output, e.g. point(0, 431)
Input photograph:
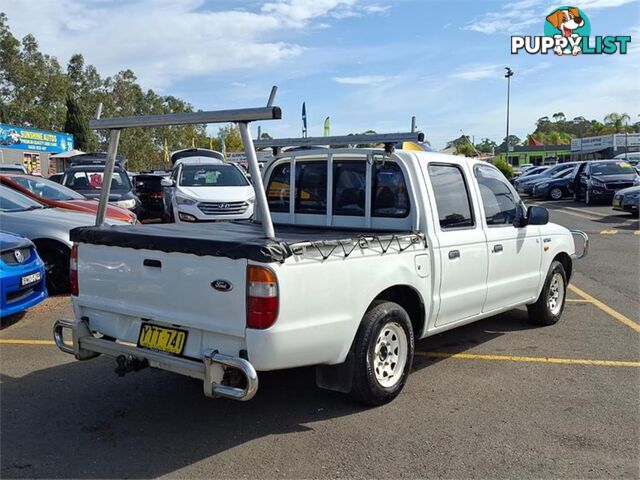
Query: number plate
point(29, 279)
point(170, 340)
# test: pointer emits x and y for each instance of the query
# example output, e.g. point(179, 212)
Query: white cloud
point(362, 80)
point(477, 72)
point(163, 41)
point(515, 17)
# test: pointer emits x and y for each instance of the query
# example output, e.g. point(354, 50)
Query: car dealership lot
point(499, 398)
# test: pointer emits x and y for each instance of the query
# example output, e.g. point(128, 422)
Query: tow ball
point(126, 364)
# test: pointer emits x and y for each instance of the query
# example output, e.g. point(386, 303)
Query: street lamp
point(508, 76)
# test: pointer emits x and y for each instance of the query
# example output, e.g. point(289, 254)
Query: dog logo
point(567, 31)
point(569, 23)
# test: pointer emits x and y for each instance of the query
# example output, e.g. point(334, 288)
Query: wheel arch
point(567, 263)
point(408, 298)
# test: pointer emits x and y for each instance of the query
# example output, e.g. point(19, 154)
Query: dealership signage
point(605, 141)
point(20, 138)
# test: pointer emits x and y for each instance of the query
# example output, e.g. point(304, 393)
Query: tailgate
point(172, 288)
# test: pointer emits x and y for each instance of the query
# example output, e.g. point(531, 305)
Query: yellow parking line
point(13, 341)
point(510, 358)
point(637, 232)
point(606, 308)
point(608, 232)
point(578, 300)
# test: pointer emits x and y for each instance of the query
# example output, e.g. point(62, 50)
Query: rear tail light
point(73, 271)
point(262, 297)
point(157, 194)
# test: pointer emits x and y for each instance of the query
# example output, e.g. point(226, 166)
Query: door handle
point(497, 248)
point(453, 254)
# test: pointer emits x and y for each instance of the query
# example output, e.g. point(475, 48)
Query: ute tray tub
point(237, 240)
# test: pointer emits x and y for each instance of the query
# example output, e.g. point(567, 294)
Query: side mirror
point(537, 216)
point(167, 182)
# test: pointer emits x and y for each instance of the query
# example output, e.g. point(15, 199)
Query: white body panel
point(321, 302)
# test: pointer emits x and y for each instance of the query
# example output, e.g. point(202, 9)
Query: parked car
point(205, 189)
point(10, 168)
point(87, 180)
point(627, 200)
point(527, 172)
point(48, 228)
point(554, 188)
point(599, 180)
point(400, 249)
point(22, 275)
point(56, 177)
point(55, 195)
point(148, 187)
point(525, 184)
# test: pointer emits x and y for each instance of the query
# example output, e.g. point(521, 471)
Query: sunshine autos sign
point(567, 31)
point(32, 139)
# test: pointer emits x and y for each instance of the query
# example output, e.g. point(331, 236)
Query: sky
point(368, 64)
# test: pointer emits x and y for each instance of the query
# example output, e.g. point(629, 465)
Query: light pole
point(508, 76)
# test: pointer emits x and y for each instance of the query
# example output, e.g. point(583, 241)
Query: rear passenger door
point(514, 253)
point(462, 245)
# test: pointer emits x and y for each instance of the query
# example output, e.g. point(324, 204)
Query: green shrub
point(504, 167)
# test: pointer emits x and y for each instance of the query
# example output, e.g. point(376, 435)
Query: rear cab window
point(339, 191)
point(451, 192)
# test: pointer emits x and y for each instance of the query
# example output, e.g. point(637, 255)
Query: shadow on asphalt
point(78, 420)
point(9, 320)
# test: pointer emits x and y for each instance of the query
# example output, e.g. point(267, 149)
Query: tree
point(466, 149)
point(617, 121)
point(76, 125)
point(487, 146)
point(504, 167)
point(514, 141)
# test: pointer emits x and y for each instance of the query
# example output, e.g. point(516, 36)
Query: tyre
point(550, 304)
point(56, 265)
point(555, 193)
point(383, 354)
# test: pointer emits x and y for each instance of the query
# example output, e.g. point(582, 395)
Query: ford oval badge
point(222, 285)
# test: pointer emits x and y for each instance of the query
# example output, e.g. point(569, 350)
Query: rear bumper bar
point(585, 244)
point(211, 370)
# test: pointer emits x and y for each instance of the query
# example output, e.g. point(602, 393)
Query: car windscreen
point(12, 201)
point(534, 171)
point(212, 176)
point(612, 168)
point(563, 173)
point(92, 180)
point(47, 189)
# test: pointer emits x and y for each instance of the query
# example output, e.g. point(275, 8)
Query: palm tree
point(617, 121)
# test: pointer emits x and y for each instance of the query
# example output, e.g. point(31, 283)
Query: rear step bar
point(211, 370)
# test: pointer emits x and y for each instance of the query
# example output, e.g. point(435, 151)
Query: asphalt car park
point(497, 399)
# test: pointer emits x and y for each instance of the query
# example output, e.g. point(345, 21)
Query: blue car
point(22, 276)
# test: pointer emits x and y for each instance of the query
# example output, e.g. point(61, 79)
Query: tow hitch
point(126, 364)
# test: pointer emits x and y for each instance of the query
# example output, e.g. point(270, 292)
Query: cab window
point(499, 200)
point(452, 196)
point(278, 188)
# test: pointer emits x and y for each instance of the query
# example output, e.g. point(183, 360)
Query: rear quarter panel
point(323, 301)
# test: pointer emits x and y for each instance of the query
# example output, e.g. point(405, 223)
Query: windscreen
point(12, 201)
point(611, 168)
point(212, 176)
point(47, 189)
point(92, 180)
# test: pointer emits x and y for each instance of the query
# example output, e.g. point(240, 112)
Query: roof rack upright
point(240, 116)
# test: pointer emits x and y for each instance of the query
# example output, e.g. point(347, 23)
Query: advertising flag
point(304, 119)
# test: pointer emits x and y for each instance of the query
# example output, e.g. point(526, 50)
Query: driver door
point(514, 253)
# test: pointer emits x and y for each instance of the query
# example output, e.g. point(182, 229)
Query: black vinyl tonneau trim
point(234, 240)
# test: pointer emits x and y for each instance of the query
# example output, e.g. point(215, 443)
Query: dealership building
point(33, 148)
point(604, 146)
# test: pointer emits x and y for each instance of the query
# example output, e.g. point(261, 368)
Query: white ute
point(379, 248)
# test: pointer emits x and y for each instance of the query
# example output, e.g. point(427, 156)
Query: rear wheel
point(383, 354)
point(550, 304)
point(555, 193)
point(56, 265)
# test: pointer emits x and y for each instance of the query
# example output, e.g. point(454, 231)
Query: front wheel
point(383, 354)
point(550, 304)
point(555, 193)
